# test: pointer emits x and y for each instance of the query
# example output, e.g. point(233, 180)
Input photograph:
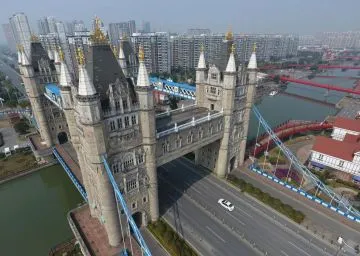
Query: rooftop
point(339, 149)
point(347, 123)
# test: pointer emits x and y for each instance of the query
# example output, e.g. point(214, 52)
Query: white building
point(342, 150)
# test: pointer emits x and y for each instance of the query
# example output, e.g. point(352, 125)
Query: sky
point(252, 16)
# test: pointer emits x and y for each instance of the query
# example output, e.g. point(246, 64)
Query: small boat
point(273, 93)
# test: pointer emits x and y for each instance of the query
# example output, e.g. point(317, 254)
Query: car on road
point(226, 204)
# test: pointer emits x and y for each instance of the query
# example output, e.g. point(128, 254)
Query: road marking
point(242, 223)
point(284, 253)
point(214, 233)
point(298, 248)
point(245, 213)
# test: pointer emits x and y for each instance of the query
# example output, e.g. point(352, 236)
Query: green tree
point(24, 104)
point(11, 103)
point(21, 127)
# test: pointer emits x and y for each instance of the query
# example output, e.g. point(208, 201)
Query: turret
point(88, 98)
point(252, 67)
point(230, 71)
point(148, 131)
point(122, 59)
point(201, 67)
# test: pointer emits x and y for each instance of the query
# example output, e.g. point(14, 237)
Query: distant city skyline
point(296, 16)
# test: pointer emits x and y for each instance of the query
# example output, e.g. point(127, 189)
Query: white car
point(226, 204)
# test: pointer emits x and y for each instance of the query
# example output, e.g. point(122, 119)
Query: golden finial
point(254, 47)
point(141, 53)
point(233, 48)
point(114, 49)
point(98, 36)
point(229, 35)
point(80, 56)
point(61, 54)
point(202, 48)
point(34, 38)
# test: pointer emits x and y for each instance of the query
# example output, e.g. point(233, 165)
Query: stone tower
point(38, 71)
point(225, 86)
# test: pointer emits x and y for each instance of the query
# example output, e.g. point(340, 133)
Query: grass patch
point(17, 163)
point(170, 240)
point(266, 198)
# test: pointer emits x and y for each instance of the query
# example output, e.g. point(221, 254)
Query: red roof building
point(342, 151)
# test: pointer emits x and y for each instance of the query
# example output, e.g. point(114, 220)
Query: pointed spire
point(121, 51)
point(56, 56)
point(65, 78)
point(19, 52)
point(143, 77)
point(86, 86)
point(231, 66)
point(201, 63)
point(252, 62)
point(50, 54)
point(25, 60)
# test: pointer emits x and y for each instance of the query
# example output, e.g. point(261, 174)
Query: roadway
point(12, 74)
point(189, 201)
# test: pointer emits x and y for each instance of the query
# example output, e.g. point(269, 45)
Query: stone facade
point(111, 113)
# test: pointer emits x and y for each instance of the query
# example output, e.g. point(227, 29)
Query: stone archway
point(62, 137)
point(138, 218)
point(232, 163)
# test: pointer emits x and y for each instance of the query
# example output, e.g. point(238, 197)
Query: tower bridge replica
point(103, 129)
point(101, 126)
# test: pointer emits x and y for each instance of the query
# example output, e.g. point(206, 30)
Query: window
point(200, 133)
point(133, 119)
point(164, 148)
point(120, 124)
point(115, 168)
point(213, 76)
point(240, 91)
point(213, 90)
point(130, 185)
point(341, 163)
point(321, 157)
point(112, 125)
point(117, 105)
point(189, 138)
point(178, 142)
point(133, 205)
point(129, 162)
point(140, 158)
point(127, 123)
point(219, 126)
point(144, 199)
point(210, 129)
point(125, 104)
point(211, 106)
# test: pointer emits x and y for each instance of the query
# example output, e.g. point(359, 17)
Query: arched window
point(128, 161)
point(190, 138)
point(201, 133)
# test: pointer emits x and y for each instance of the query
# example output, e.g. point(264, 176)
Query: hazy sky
point(299, 16)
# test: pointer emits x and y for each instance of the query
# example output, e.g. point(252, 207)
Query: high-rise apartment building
point(43, 26)
point(198, 31)
point(121, 29)
point(21, 30)
point(132, 26)
point(349, 39)
point(156, 48)
point(146, 28)
point(9, 36)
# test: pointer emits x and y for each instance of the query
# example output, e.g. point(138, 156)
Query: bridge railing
point(169, 112)
point(70, 174)
point(189, 124)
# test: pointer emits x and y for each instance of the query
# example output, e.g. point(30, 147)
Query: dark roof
point(104, 69)
point(222, 57)
point(38, 53)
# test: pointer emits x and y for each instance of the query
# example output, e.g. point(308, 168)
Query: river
point(280, 108)
point(33, 212)
point(33, 208)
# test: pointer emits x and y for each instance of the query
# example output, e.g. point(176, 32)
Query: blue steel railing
point(342, 202)
point(128, 214)
point(70, 174)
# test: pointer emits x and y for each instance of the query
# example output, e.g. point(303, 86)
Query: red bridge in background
point(285, 130)
point(318, 85)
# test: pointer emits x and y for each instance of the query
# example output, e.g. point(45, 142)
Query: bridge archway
point(139, 219)
point(62, 137)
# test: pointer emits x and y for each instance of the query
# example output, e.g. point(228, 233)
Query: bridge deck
point(68, 154)
point(181, 117)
